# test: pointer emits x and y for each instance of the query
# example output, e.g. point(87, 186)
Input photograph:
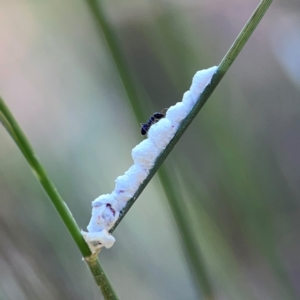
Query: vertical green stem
point(194, 256)
point(100, 278)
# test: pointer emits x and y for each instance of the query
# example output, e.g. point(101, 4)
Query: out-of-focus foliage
point(237, 167)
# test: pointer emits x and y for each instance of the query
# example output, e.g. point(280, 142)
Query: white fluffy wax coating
point(177, 113)
point(97, 240)
point(137, 173)
point(96, 223)
point(122, 202)
point(103, 217)
point(110, 215)
point(125, 188)
point(161, 133)
point(200, 81)
point(127, 185)
point(106, 208)
point(145, 153)
point(105, 199)
point(187, 100)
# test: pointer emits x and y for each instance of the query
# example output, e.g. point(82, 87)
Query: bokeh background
point(235, 172)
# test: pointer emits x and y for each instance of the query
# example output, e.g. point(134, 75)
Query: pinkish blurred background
point(238, 164)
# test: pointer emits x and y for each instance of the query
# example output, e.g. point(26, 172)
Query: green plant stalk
point(223, 67)
point(22, 142)
point(101, 279)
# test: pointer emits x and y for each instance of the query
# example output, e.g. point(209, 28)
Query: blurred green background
point(236, 171)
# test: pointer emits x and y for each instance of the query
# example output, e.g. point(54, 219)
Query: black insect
point(153, 119)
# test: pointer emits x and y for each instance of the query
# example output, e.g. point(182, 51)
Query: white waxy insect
point(146, 152)
point(125, 188)
point(161, 128)
point(176, 113)
point(98, 240)
point(161, 133)
point(137, 173)
point(122, 201)
point(187, 100)
point(200, 81)
point(103, 217)
point(105, 199)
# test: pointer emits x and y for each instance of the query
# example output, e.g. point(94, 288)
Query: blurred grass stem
point(115, 51)
point(172, 191)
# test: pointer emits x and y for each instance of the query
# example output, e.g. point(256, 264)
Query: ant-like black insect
point(153, 119)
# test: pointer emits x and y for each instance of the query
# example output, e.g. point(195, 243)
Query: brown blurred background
point(238, 165)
